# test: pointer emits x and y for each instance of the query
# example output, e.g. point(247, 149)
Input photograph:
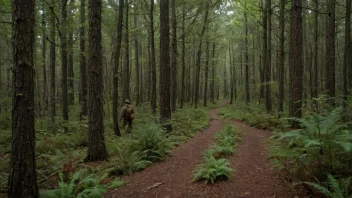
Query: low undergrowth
point(60, 152)
point(321, 148)
point(215, 166)
point(252, 114)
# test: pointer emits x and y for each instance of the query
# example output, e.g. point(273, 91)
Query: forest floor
point(253, 175)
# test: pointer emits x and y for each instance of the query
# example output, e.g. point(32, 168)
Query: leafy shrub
point(334, 189)
point(129, 161)
point(212, 170)
point(252, 114)
point(152, 142)
point(322, 145)
point(81, 185)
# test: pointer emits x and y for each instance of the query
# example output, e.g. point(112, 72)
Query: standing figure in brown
point(127, 116)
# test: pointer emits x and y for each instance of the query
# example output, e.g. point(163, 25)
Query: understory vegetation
point(215, 166)
point(318, 154)
point(60, 155)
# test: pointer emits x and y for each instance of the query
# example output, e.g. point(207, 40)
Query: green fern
point(152, 142)
point(116, 183)
point(335, 189)
point(212, 170)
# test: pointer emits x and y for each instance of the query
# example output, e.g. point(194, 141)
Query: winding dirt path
point(253, 175)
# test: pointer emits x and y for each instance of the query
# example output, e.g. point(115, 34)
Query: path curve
point(253, 176)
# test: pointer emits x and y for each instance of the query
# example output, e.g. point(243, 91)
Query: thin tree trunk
point(330, 52)
point(153, 101)
point(347, 54)
point(268, 104)
point(212, 85)
point(281, 65)
point(52, 65)
point(183, 89)
point(96, 141)
point(165, 110)
point(70, 73)
point(231, 74)
point(45, 83)
point(315, 70)
point(295, 63)
point(116, 69)
point(173, 57)
point(23, 179)
point(206, 74)
point(199, 54)
point(246, 59)
point(64, 60)
point(126, 92)
point(82, 60)
point(136, 46)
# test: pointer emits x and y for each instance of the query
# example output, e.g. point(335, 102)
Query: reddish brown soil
point(252, 177)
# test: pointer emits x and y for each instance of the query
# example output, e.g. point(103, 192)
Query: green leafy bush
point(212, 170)
point(80, 185)
point(129, 161)
point(322, 145)
point(334, 188)
point(152, 142)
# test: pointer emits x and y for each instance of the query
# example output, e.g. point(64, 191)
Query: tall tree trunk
point(52, 64)
point(347, 54)
point(315, 70)
point(45, 83)
point(281, 65)
point(295, 63)
point(206, 73)
point(151, 12)
point(264, 52)
point(173, 57)
point(126, 92)
point(231, 74)
point(212, 85)
point(96, 142)
point(82, 61)
point(330, 52)
point(199, 55)
point(115, 81)
point(136, 46)
point(165, 111)
point(183, 88)
point(70, 73)
point(268, 104)
point(246, 59)
point(64, 59)
point(23, 179)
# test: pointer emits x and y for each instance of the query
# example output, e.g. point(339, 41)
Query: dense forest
point(67, 67)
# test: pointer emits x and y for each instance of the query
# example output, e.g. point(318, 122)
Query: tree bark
point(136, 46)
point(23, 179)
point(330, 52)
point(212, 85)
point(347, 54)
point(246, 59)
point(70, 73)
point(52, 64)
point(115, 115)
point(206, 73)
point(183, 88)
point(165, 111)
point(82, 61)
point(295, 63)
point(199, 55)
point(151, 12)
point(315, 70)
point(173, 57)
point(126, 92)
point(96, 142)
point(281, 65)
point(268, 104)
point(45, 83)
point(64, 59)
